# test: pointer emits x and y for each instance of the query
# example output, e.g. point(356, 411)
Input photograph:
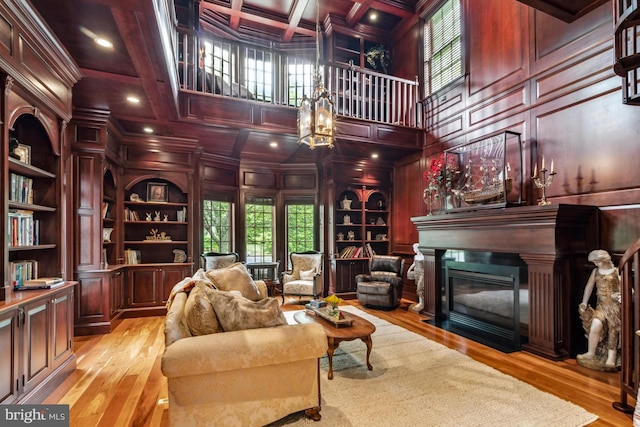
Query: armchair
point(383, 285)
point(305, 277)
point(214, 260)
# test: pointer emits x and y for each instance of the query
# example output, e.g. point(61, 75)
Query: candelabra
point(541, 180)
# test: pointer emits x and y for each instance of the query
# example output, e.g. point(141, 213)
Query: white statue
point(416, 272)
point(346, 203)
point(602, 323)
point(157, 217)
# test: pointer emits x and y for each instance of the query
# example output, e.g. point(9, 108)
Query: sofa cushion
point(198, 311)
point(235, 278)
point(176, 327)
point(238, 313)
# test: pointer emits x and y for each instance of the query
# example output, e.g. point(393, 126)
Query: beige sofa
point(240, 378)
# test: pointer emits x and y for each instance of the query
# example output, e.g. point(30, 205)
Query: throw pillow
point(239, 313)
point(198, 312)
point(235, 278)
point(307, 274)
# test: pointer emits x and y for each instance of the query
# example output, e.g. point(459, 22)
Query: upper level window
point(442, 47)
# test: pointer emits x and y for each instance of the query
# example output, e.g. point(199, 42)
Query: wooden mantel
point(553, 241)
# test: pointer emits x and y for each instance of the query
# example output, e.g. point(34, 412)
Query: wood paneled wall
point(553, 82)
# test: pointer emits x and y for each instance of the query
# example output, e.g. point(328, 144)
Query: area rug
point(418, 382)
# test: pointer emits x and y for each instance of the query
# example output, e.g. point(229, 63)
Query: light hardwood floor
point(118, 381)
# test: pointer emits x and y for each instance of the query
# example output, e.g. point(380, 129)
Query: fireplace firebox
point(488, 303)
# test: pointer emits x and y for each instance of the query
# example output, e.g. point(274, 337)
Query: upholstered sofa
point(241, 377)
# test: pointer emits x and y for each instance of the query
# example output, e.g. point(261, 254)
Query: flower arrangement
point(441, 176)
point(333, 300)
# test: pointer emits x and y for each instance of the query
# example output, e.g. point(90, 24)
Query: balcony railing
point(218, 67)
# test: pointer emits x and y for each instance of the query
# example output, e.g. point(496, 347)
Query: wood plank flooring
point(118, 381)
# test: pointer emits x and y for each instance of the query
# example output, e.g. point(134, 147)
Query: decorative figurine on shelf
point(416, 272)
point(166, 218)
point(179, 255)
point(148, 216)
point(347, 220)
point(601, 324)
point(346, 203)
point(157, 217)
point(351, 235)
point(340, 237)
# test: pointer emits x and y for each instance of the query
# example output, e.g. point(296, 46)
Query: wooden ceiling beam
point(294, 19)
point(284, 26)
point(357, 11)
point(234, 22)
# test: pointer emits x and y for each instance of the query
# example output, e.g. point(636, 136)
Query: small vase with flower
point(332, 305)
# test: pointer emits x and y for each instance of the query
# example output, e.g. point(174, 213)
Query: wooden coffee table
point(359, 329)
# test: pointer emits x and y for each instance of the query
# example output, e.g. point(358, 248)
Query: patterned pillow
point(307, 274)
point(235, 278)
point(198, 312)
point(238, 313)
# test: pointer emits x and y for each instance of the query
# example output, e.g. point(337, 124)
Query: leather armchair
point(382, 287)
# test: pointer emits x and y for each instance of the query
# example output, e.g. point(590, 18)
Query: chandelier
point(316, 116)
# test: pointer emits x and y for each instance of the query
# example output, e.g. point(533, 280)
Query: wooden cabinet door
point(143, 286)
point(9, 353)
point(36, 345)
point(62, 326)
point(116, 292)
point(170, 275)
point(346, 272)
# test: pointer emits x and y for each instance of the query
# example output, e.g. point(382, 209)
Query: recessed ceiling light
point(273, 144)
point(103, 42)
point(133, 99)
point(374, 155)
point(373, 16)
point(148, 130)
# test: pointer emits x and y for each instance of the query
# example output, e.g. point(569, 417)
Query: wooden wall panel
point(579, 138)
point(497, 51)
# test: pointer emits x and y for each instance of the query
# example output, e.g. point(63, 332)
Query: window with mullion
point(259, 225)
point(442, 47)
point(217, 226)
point(300, 227)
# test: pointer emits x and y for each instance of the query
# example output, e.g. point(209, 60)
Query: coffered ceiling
point(136, 64)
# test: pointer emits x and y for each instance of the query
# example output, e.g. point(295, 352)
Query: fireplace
point(553, 242)
point(487, 302)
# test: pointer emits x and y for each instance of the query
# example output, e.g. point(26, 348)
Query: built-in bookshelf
point(32, 215)
point(155, 225)
point(109, 221)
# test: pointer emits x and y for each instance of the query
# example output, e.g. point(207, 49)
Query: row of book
point(22, 270)
point(21, 188)
point(132, 256)
point(365, 251)
point(131, 215)
point(24, 229)
point(106, 209)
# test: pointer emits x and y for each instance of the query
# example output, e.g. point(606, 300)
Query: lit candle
point(551, 165)
point(542, 167)
point(535, 170)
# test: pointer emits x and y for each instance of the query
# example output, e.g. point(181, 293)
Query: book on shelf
point(24, 230)
point(132, 256)
point(21, 188)
point(40, 283)
point(22, 270)
point(182, 215)
point(105, 209)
